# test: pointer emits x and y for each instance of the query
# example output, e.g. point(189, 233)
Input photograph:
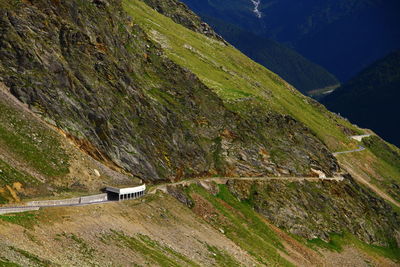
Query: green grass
point(386, 152)
point(387, 165)
point(379, 171)
point(235, 77)
point(339, 241)
point(9, 175)
point(34, 259)
point(24, 219)
point(6, 263)
point(84, 248)
point(334, 244)
point(245, 227)
point(31, 142)
point(152, 250)
point(222, 258)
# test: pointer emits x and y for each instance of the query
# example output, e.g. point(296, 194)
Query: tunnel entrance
point(112, 196)
point(118, 194)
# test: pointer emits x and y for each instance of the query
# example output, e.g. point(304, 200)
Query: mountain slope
point(37, 159)
point(160, 230)
point(370, 99)
point(113, 91)
point(225, 71)
point(342, 36)
point(181, 14)
point(193, 51)
point(291, 66)
point(245, 87)
point(108, 80)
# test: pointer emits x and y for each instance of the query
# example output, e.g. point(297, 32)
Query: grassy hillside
point(36, 160)
point(236, 79)
point(291, 66)
point(30, 152)
point(219, 230)
point(110, 86)
point(242, 83)
point(377, 166)
point(95, 94)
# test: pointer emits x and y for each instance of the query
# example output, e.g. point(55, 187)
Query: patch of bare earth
point(351, 256)
point(362, 175)
point(297, 253)
point(162, 219)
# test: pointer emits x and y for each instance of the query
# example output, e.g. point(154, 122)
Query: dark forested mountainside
point(371, 99)
point(287, 63)
point(342, 36)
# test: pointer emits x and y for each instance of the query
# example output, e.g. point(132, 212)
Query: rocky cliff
point(317, 210)
point(137, 92)
point(90, 70)
point(181, 14)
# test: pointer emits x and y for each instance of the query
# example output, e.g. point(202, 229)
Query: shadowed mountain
point(342, 36)
point(371, 98)
point(287, 63)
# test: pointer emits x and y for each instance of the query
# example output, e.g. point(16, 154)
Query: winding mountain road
point(359, 138)
point(359, 178)
point(224, 180)
point(218, 180)
point(360, 148)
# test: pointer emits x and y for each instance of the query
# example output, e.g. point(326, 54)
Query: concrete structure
point(54, 202)
point(119, 194)
point(112, 194)
point(359, 138)
point(69, 201)
point(93, 199)
point(17, 209)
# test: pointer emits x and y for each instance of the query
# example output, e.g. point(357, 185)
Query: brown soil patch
point(162, 219)
point(298, 254)
point(364, 179)
point(206, 210)
point(351, 256)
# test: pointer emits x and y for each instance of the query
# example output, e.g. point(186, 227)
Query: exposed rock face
point(89, 69)
point(314, 210)
point(178, 193)
point(181, 14)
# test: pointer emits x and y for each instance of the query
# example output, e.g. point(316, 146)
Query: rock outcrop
point(318, 209)
point(91, 71)
point(181, 14)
